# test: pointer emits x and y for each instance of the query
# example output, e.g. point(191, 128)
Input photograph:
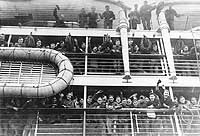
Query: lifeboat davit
point(62, 79)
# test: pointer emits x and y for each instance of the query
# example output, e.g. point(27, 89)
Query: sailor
point(145, 13)
point(170, 14)
point(108, 17)
point(134, 17)
point(3, 43)
point(154, 101)
point(29, 41)
point(20, 42)
point(93, 18)
point(195, 51)
point(165, 100)
point(58, 17)
point(82, 18)
point(145, 45)
point(68, 102)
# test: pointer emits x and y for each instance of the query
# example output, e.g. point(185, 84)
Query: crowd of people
point(88, 20)
point(190, 51)
point(154, 98)
point(137, 16)
point(71, 44)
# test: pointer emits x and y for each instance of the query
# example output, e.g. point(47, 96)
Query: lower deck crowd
point(158, 97)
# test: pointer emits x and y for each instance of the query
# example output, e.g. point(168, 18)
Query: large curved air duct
point(65, 72)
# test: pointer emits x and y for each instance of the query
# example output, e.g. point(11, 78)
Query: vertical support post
point(123, 28)
point(84, 113)
point(161, 60)
point(36, 125)
point(175, 115)
point(137, 126)
point(172, 124)
point(132, 127)
point(9, 39)
point(85, 97)
point(164, 59)
point(86, 56)
point(164, 28)
point(84, 123)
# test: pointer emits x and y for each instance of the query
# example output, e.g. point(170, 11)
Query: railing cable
point(197, 56)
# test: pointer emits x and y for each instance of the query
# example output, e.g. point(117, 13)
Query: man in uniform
point(134, 17)
point(93, 18)
point(58, 17)
point(108, 17)
point(170, 14)
point(145, 13)
point(82, 18)
point(3, 43)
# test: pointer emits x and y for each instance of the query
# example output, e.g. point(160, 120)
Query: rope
point(189, 121)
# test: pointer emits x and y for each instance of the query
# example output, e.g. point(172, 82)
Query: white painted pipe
point(123, 28)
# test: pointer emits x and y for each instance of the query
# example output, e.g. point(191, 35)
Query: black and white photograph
point(99, 68)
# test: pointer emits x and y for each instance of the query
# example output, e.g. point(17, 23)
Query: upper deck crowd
point(136, 17)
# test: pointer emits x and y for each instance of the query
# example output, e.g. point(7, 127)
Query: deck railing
point(86, 122)
point(111, 64)
point(186, 66)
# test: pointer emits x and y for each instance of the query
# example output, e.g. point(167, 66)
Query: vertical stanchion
point(84, 123)
point(132, 127)
point(36, 126)
point(9, 39)
point(86, 56)
point(85, 96)
point(175, 115)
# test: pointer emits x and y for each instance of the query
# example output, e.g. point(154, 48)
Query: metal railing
point(190, 122)
point(110, 64)
point(147, 64)
point(94, 122)
point(17, 123)
point(186, 66)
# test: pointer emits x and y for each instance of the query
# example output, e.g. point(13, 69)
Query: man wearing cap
point(108, 17)
point(134, 17)
point(166, 101)
point(145, 13)
point(93, 18)
point(154, 102)
point(3, 43)
point(82, 18)
point(170, 14)
point(58, 17)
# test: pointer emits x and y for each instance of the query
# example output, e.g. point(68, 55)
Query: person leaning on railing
point(195, 51)
point(3, 43)
point(164, 96)
point(145, 45)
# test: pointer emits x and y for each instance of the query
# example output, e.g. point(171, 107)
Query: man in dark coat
point(93, 18)
point(170, 14)
point(134, 17)
point(82, 18)
point(108, 17)
point(145, 13)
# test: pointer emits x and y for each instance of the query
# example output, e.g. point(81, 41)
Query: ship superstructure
point(126, 73)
